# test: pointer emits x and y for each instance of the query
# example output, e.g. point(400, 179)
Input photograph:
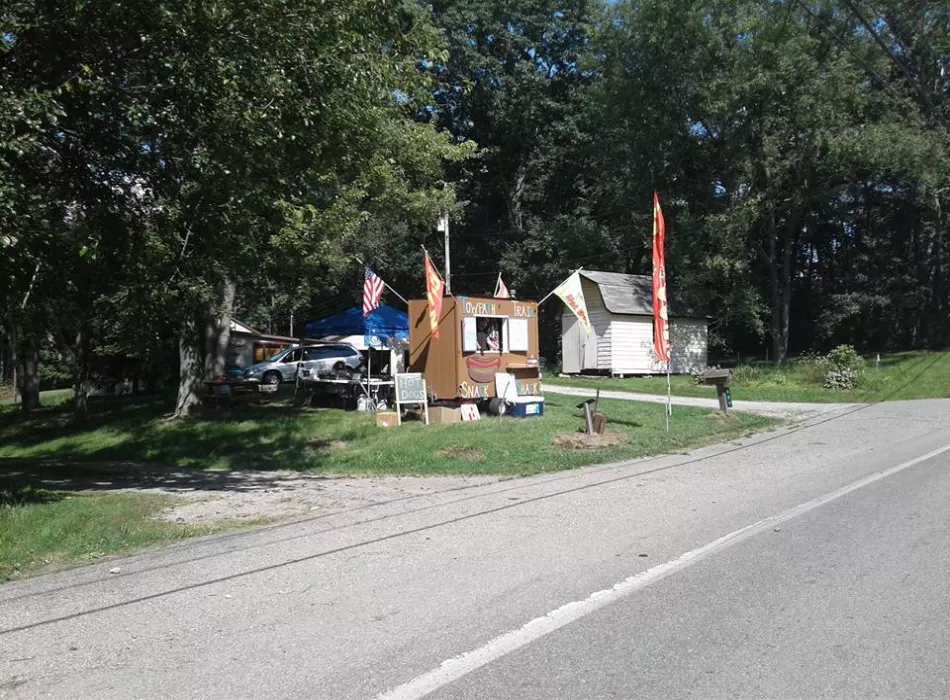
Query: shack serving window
point(494, 334)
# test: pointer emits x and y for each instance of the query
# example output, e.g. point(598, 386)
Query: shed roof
point(623, 294)
point(629, 294)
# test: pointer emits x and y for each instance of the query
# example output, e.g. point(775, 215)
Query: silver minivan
point(315, 359)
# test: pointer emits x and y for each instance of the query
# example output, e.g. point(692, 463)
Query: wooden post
point(721, 395)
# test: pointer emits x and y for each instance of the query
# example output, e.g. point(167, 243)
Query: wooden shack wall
point(446, 367)
point(436, 358)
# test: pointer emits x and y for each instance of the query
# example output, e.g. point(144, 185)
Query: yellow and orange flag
point(661, 312)
point(435, 288)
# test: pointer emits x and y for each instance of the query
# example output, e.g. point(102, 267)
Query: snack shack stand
point(478, 338)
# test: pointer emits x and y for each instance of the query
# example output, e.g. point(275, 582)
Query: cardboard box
point(444, 414)
point(386, 419)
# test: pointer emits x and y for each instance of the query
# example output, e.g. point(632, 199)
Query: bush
point(845, 368)
point(813, 366)
point(846, 357)
point(841, 379)
point(744, 375)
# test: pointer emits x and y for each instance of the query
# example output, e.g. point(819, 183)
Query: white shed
point(621, 313)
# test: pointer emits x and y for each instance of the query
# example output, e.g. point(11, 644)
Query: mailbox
point(721, 379)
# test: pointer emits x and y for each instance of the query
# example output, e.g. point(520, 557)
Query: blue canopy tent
point(385, 329)
point(377, 330)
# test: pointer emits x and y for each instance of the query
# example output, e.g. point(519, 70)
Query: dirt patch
point(255, 496)
point(326, 445)
point(582, 441)
point(465, 454)
point(721, 417)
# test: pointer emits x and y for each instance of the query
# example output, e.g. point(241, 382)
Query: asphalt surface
point(846, 598)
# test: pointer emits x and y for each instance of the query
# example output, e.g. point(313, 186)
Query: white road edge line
point(459, 666)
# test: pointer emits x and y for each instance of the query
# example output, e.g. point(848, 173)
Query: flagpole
point(386, 284)
point(669, 394)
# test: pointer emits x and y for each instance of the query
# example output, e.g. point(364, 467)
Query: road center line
point(459, 666)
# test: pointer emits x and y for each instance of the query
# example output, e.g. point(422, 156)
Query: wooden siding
point(690, 337)
point(633, 345)
point(623, 343)
point(581, 352)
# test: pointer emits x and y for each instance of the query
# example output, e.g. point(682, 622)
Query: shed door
point(572, 352)
point(589, 343)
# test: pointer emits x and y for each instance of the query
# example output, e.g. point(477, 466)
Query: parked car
point(315, 359)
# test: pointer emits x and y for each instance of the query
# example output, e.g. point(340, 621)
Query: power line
point(885, 84)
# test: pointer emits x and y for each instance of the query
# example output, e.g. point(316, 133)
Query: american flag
point(372, 290)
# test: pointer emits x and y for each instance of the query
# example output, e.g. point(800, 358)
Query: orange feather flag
point(435, 288)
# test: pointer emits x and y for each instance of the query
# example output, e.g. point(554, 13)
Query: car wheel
point(272, 378)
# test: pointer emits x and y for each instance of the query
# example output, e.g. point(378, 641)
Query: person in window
point(481, 334)
point(494, 337)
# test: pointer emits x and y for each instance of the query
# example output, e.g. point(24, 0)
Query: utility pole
point(444, 227)
point(291, 324)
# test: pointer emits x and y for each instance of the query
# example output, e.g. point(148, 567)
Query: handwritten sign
point(470, 412)
point(411, 389)
point(479, 308)
point(525, 311)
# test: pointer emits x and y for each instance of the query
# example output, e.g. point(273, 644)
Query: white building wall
point(580, 351)
point(633, 345)
point(598, 354)
point(690, 339)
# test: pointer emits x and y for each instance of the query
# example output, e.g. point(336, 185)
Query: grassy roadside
point(43, 530)
point(278, 436)
point(905, 375)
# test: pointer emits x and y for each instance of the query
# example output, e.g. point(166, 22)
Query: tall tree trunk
point(28, 364)
point(515, 198)
point(191, 369)
point(780, 286)
point(775, 292)
point(938, 282)
point(217, 332)
point(82, 382)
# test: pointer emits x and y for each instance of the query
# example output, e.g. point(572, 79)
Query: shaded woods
point(166, 165)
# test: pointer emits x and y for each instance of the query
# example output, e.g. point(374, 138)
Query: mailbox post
point(721, 379)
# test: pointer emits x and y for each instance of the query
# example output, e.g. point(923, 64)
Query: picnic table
point(227, 388)
point(349, 389)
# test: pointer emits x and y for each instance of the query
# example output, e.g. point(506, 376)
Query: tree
point(217, 138)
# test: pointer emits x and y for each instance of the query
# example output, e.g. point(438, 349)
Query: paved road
point(809, 562)
point(775, 409)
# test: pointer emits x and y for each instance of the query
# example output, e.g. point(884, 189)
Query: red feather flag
point(661, 314)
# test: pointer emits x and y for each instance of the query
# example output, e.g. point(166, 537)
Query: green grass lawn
point(44, 530)
point(905, 375)
point(50, 398)
point(279, 436)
